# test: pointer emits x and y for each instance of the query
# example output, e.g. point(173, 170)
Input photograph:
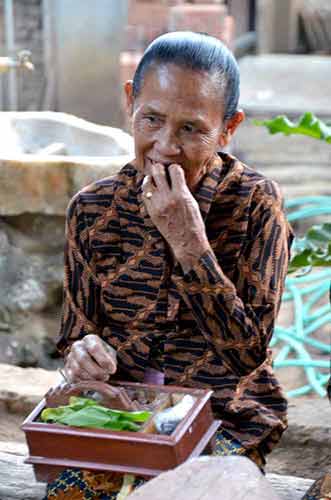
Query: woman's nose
point(167, 143)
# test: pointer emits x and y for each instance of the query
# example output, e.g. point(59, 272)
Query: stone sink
point(46, 157)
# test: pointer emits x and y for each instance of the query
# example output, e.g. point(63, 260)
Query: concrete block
point(279, 83)
point(278, 25)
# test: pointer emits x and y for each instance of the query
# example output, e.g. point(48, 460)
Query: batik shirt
point(208, 328)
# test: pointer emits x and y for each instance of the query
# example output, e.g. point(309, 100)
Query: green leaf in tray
point(76, 402)
point(133, 416)
point(308, 124)
point(91, 416)
point(84, 412)
point(122, 425)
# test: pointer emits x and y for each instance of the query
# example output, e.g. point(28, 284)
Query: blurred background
point(62, 122)
point(62, 67)
point(79, 47)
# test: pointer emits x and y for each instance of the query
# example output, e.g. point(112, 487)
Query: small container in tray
point(54, 447)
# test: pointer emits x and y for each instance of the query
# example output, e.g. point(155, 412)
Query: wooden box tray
point(54, 447)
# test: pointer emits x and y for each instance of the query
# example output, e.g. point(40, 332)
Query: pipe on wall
point(10, 48)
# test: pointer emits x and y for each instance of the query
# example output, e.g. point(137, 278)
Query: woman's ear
point(230, 127)
point(128, 89)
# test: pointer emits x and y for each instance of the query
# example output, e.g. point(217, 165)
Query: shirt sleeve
point(81, 289)
point(238, 319)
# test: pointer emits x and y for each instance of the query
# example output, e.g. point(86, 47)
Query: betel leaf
point(132, 416)
point(84, 412)
point(122, 425)
point(313, 250)
point(308, 124)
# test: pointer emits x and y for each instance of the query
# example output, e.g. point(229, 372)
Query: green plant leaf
point(308, 124)
point(133, 416)
point(91, 416)
point(122, 425)
point(84, 412)
point(55, 414)
point(313, 250)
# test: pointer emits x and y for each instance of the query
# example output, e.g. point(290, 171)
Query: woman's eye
point(151, 119)
point(189, 128)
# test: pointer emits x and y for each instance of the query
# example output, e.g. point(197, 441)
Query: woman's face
point(178, 118)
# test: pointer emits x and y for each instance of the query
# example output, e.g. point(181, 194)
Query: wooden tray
point(54, 447)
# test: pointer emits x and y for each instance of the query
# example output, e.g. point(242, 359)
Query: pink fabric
point(153, 376)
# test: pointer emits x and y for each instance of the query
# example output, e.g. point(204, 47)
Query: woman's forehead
point(166, 78)
point(170, 89)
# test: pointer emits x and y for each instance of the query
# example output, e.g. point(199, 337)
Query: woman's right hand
point(90, 359)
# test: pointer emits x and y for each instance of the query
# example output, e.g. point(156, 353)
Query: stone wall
point(34, 195)
point(31, 252)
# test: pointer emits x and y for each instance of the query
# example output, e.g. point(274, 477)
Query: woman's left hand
point(175, 213)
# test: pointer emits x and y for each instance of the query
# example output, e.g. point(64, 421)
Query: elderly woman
point(175, 267)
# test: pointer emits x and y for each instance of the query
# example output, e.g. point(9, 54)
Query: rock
point(30, 132)
point(43, 183)
point(289, 487)
point(17, 480)
point(306, 444)
point(35, 190)
point(204, 478)
point(27, 350)
point(35, 233)
point(309, 422)
point(30, 184)
point(21, 389)
point(31, 275)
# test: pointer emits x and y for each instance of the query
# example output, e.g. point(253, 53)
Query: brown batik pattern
point(209, 328)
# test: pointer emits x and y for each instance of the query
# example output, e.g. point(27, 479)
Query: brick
point(199, 17)
point(152, 16)
point(135, 38)
point(218, 2)
point(228, 32)
point(128, 64)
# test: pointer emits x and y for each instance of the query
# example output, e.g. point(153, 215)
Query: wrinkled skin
point(178, 127)
point(90, 359)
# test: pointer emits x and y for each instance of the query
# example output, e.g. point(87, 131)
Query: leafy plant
point(84, 412)
point(314, 249)
point(308, 124)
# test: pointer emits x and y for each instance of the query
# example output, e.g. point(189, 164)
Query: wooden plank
point(289, 487)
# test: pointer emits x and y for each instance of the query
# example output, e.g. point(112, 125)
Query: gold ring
point(148, 195)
